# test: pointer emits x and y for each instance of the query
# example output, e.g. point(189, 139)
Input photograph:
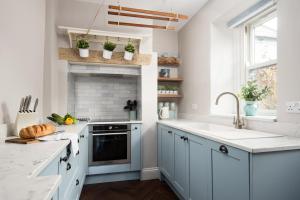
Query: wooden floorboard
point(128, 190)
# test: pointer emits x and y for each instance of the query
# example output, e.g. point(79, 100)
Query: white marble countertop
point(20, 165)
point(267, 142)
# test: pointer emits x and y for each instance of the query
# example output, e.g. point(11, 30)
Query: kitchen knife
point(36, 104)
point(24, 105)
point(21, 105)
point(28, 104)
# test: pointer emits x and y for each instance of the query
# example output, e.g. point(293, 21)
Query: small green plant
point(161, 87)
point(130, 48)
point(109, 46)
point(83, 44)
point(251, 92)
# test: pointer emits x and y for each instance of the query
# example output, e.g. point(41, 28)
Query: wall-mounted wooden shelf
point(169, 96)
point(95, 57)
point(168, 61)
point(162, 79)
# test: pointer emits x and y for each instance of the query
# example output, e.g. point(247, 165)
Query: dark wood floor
point(128, 190)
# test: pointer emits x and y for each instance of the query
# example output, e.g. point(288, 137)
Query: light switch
point(293, 107)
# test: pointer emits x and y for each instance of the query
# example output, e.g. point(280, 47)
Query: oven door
point(109, 148)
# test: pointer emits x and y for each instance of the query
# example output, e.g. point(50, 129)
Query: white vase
point(107, 54)
point(84, 53)
point(128, 55)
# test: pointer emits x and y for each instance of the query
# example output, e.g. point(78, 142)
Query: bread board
point(21, 141)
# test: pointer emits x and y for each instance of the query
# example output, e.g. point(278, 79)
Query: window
point(261, 59)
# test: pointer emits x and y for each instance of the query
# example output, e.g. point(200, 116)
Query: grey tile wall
point(104, 97)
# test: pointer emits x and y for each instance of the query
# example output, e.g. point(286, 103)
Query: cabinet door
point(167, 153)
point(181, 163)
point(230, 173)
point(135, 147)
point(83, 149)
point(199, 168)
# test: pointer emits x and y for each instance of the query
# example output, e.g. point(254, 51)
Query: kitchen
point(149, 100)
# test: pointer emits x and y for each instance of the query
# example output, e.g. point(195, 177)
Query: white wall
point(165, 42)
point(288, 57)
point(21, 54)
point(198, 43)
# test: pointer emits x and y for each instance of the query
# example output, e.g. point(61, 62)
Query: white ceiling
point(186, 7)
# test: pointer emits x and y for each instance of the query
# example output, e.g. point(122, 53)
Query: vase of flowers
point(252, 94)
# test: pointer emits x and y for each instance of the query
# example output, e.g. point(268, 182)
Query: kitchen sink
point(226, 132)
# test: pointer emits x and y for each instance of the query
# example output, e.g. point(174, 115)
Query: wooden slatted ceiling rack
point(150, 14)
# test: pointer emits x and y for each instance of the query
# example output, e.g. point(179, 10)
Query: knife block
point(24, 120)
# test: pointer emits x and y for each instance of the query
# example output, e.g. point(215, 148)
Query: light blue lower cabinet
point(72, 169)
point(230, 173)
point(201, 169)
point(167, 153)
point(181, 163)
point(135, 164)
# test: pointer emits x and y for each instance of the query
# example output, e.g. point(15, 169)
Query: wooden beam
point(142, 16)
point(149, 12)
point(141, 25)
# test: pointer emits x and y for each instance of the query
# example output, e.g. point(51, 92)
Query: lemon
point(69, 121)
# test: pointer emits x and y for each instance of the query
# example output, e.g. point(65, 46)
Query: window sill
point(250, 118)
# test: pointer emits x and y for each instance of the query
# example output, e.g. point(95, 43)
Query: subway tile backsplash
point(103, 96)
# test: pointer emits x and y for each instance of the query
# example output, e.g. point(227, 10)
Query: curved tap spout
point(237, 122)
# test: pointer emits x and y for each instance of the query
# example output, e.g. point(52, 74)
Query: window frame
point(250, 50)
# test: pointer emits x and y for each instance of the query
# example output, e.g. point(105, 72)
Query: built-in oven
point(109, 144)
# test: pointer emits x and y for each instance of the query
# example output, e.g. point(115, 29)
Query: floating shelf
point(168, 61)
point(169, 96)
point(170, 79)
point(95, 57)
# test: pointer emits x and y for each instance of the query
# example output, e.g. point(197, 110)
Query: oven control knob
point(110, 127)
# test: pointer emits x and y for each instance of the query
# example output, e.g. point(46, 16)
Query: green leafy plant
point(161, 87)
point(251, 92)
point(109, 46)
point(83, 44)
point(130, 48)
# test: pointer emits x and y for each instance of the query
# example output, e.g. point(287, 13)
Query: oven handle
point(99, 134)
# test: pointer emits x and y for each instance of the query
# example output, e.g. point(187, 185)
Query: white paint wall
point(21, 54)
point(197, 45)
point(288, 57)
point(165, 42)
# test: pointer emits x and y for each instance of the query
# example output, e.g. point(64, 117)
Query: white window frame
point(249, 50)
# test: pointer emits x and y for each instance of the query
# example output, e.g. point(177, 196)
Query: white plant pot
point(175, 92)
point(107, 54)
point(84, 53)
point(163, 92)
point(128, 55)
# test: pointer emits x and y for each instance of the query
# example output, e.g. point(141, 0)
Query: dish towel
point(73, 137)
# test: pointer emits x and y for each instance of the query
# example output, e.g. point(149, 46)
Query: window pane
point(265, 41)
point(266, 77)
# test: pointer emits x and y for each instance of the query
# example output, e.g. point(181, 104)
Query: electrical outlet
point(195, 106)
point(293, 107)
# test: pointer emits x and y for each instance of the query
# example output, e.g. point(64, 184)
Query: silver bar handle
point(99, 134)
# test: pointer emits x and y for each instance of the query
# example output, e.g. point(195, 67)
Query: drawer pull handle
point(223, 149)
point(81, 136)
point(69, 166)
point(65, 159)
point(169, 131)
point(185, 138)
point(77, 152)
point(77, 182)
point(135, 128)
point(182, 137)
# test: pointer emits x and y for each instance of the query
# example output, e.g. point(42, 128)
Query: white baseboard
point(150, 173)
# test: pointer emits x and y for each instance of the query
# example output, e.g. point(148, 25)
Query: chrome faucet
point(237, 121)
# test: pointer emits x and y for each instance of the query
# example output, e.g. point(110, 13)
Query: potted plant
point(161, 89)
point(131, 106)
point(108, 48)
point(83, 46)
point(129, 51)
point(251, 93)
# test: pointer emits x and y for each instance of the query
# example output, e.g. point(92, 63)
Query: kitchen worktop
point(20, 166)
point(247, 140)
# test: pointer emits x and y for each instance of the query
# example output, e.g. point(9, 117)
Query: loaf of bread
point(32, 132)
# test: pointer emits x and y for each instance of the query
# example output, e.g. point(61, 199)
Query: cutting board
point(21, 141)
